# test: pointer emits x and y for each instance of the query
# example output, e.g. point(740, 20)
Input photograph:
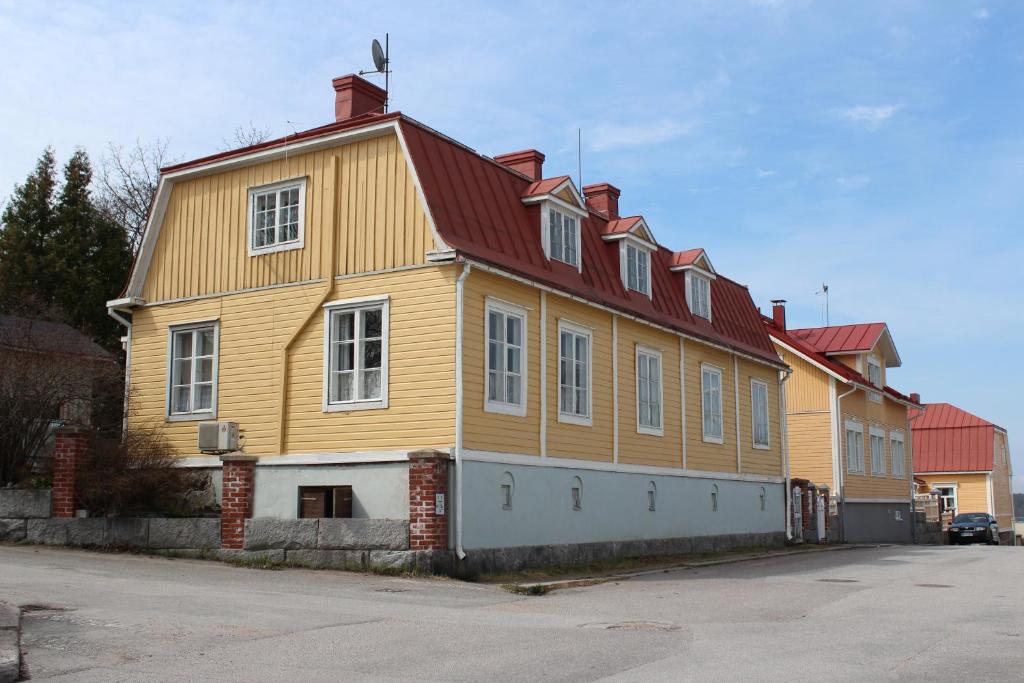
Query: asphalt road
point(905, 613)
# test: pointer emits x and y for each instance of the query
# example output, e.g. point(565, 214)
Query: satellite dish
point(379, 59)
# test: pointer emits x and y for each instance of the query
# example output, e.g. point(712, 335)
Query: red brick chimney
point(529, 162)
point(603, 198)
point(779, 313)
point(355, 96)
point(916, 398)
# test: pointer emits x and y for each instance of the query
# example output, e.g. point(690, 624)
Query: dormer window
point(875, 378)
point(638, 269)
point(698, 294)
point(563, 237)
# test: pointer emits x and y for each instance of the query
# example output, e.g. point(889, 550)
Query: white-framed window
point(648, 392)
point(877, 438)
point(507, 487)
point(854, 447)
point(637, 275)
point(574, 373)
point(947, 492)
point(875, 378)
point(899, 462)
point(711, 403)
point(277, 217)
point(698, 294)
point(563, 234)
point(356, 354)
point(759, 413)
point(192, 358)
point(506, 358)
point(652, 496)
point(576, 493)
point(763, 498)
point(714, 497)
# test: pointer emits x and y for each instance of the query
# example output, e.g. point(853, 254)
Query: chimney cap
point(529, 162)
point(355, 96)
point(599, 188)
point(778, 302)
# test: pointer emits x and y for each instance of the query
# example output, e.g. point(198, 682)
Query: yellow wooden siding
point(701, 455)
point(254, 326)
point(202, 246)
point(810, 447)
point(971, 490)
point(565, 440)
point(890, 416)
point(759, 460)
point(807, 388)
point(646, 449)
point(490, 431)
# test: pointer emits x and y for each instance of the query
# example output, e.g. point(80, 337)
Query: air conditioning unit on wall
point(218, 437)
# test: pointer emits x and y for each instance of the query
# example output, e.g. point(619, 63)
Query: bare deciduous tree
point(127, 182)
point(245, 136)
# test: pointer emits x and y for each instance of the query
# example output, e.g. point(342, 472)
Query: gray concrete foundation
point(878, 522)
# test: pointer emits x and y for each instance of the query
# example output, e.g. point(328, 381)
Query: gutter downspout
point(784, 376)
point(459, 297)
point(838, 417)
point(116, 315)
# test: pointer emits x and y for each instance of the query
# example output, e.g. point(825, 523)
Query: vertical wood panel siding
point(807, 388)
point(759, 460)
point(202, 247)
point(253, 328)
point(489, 431)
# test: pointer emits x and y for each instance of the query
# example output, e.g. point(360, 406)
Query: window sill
point(761, 447)
point(505, 409)
point(575, 420)
point(192, 417)
point(355, 405)
point(714, 439)
point(650, 431)
point(284, 246)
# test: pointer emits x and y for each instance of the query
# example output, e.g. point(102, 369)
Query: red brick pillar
point(236, 499)
point(71, 446)
point(428, 500)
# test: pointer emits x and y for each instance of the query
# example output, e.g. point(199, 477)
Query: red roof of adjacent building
point(686, 258)
point(949, 439)
point(841, 338)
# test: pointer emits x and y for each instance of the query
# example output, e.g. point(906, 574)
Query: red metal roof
point(841, 338)
point(620, 225)
point(789, 339)
point(477, 208)
point(949, 439)
point(686, 258)
point(545, 186)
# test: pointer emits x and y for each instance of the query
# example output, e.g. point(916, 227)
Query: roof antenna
point(824, 292)
point(381, 64)
point(579, 156)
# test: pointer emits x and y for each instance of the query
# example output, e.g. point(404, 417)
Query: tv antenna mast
point(824, 292)
point(382, 65)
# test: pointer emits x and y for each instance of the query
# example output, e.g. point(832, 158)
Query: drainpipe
point(838, 417)
point(127, 323)
point(784, 375)
point(459, 296)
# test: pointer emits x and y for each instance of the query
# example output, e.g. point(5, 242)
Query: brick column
point(236, 499)
point(71, 446)
point(428, 521)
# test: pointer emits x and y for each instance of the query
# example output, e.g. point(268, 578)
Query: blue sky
point(875, 146)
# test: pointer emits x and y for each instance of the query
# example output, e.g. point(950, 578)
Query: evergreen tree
point(91, 256)
point(27, 285)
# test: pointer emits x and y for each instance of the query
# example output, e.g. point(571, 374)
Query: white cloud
point(870, 117)
point(609, 136)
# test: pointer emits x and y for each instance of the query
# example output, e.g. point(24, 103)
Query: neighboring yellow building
point(369, 289)
point(967, 461)
point(847, 429)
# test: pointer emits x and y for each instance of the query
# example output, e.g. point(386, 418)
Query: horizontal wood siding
point(759, 460)
point(202, 246)
point(810, 447)
point(807, 388)
point(491, 431)
point(890, 416)
point(701, 455)
point(971, 491)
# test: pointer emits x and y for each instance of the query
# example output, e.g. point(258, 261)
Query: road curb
point(542, 587)
point(10, 643)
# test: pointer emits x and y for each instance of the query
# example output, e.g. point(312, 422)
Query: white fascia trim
point(304, 459)
point(949, 473)
point(567, 183)
point(487, 268)
point(631, 238)
point(507, 308)
point(803, 356)
point(357, 301)
point(568, 463)
point(877, 500)
point(125, 303)
point(696, 269)
point(557, 201)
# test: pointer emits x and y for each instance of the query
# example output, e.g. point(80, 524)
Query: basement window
point(652, 495)
point(576, 493)
point(507, 490)
point(320, 502)
point(276, 217)
point(763, 496)
point(714, 497)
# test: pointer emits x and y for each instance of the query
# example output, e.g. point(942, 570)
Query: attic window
point(875, 378)
point(638, 268)
point(698, 294)
point(563, 237)
point(276, 217)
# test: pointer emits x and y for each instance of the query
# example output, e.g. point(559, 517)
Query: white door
point(821, 517)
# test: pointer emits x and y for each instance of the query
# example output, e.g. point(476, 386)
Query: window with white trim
point(506, 359)
point(877, 437)
point(854, 447)
point(563, 237)
point(192, 371)
point(356, 355)
point(875, 378)
point(638, 269)
point(711, 403)
point(648, 392)
point(276, 216)
point(573, 373)
point(698, 294)
point(947, 494)
point(759, 413)
point(899, 463)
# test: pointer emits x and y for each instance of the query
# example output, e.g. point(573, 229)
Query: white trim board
point(608, 466)
point(299, 459)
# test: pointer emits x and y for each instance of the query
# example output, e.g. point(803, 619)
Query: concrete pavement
point(905, 613)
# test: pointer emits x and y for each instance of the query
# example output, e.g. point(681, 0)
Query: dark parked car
point(974, 527)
